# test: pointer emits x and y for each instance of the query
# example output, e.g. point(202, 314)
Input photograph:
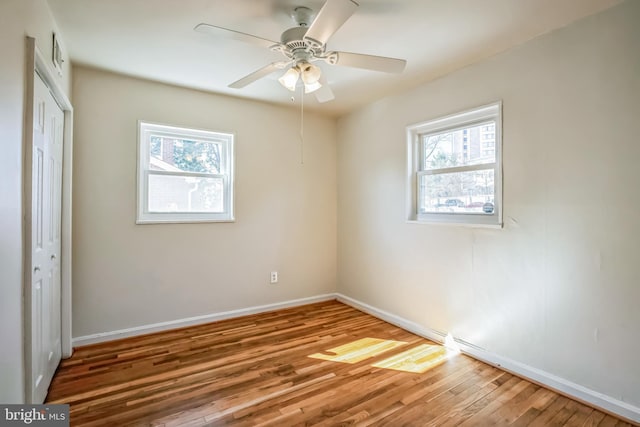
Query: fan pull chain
point(302, 125)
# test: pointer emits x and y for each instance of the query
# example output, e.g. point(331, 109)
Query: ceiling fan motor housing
point(293, 38)
point(295, 47)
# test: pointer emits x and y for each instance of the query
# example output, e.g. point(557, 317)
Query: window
point(184, 175)
point(455, 168)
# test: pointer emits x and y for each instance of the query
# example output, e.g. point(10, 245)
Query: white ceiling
point(154, 39)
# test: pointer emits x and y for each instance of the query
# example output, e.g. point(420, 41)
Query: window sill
point(455, 224)
point(180, 221)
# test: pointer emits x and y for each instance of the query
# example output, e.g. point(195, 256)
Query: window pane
point(470, 146)
point(185, 194)
point(463, 192)
point(171, 154)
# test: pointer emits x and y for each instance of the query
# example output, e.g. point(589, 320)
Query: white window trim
point(227, 159)
point(464, 119)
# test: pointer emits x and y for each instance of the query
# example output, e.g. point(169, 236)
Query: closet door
point(46, 197)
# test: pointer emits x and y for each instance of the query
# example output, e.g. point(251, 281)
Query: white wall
point(557, 288)
point(18, 19)
point(128, 275)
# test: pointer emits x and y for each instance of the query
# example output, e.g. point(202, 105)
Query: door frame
point(36, 63)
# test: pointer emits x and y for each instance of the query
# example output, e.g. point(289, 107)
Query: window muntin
point(184, 175)
point(455, 168)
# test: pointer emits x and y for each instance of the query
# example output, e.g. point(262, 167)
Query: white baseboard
point(407, 325)
point(197, 320)
point(575, 391)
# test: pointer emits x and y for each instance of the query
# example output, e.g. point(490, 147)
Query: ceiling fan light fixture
point(312, 87)
point(310, 73)
point(290, 79)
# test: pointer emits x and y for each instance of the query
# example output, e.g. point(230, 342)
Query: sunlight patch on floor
point(418, 359)
point(358, 350)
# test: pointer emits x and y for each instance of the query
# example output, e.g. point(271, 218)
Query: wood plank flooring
point(257, 371)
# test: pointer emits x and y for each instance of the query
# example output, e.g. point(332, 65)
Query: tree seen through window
point(186, 155)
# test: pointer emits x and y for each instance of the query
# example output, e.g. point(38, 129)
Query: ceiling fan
point(305, 44)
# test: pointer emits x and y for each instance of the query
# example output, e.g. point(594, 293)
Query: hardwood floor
point(310, 365)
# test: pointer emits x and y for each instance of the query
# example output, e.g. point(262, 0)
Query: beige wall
point(128, 275)
point(558, 288)
point(18, 19)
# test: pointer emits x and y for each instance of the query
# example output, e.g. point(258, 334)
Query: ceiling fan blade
point(330, 18)
point(370, 62)
point(233, 35)
point(257, 75)
point(324, 94)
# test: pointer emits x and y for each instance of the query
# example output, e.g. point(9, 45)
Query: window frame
point(416, 169)
point(146, 130)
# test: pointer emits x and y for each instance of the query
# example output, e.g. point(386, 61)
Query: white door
point(46, 206)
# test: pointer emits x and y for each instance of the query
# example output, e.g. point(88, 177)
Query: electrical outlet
point(274, 277)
